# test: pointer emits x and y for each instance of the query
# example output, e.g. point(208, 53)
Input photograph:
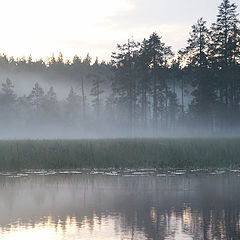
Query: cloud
point(171, 19)
point(96, 26)
point(154, 12)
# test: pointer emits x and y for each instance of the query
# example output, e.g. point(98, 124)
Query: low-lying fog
point(83, 100)
point(39, 110)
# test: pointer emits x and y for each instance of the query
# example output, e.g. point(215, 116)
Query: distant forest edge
point(145, 90)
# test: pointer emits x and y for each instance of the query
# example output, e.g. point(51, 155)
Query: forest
point(146, 90)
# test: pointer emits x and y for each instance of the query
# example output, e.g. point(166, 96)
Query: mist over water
point(83, 206)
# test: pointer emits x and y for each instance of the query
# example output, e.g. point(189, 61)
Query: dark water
point(84, 206)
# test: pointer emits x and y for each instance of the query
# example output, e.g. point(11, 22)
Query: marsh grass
point(120, 153)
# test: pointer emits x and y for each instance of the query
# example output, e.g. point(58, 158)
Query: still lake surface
point(119, 205)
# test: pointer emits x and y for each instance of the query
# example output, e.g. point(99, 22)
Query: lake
point(132, 204)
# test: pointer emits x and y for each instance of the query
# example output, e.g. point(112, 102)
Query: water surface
point(111, 205)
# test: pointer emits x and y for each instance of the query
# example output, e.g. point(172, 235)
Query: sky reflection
point(82, 206)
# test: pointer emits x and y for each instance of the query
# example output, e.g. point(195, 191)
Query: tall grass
point(120, 153)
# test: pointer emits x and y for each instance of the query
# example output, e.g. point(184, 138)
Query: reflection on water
point(84, 206)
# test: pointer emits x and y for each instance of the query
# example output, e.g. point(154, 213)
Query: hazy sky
point(42, 27)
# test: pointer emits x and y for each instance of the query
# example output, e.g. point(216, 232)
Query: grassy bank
point(118, 153)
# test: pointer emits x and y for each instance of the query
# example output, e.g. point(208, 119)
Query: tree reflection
point(195, 206)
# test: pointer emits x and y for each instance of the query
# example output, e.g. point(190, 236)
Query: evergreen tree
point(8, 97)
point(224, 49)
point(73, 106)
point(124, 62)
point(51, 95)
point(144, 83)
point(223, 32)
point(198, 63)
point(173, 108)
point(37, 96)
point(197, 47)
point(87, 60)
point(50, 106)
point(97, 90)
point(159, 54)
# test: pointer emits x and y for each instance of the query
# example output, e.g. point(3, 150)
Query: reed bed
point(189, 153)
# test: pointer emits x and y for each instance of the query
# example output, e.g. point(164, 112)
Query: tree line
point(145, 89)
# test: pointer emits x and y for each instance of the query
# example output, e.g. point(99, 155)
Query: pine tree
point(36, 97)
point(52, 60)
point(97, 90)
point(173, 108)
point(60, 58)
point(73, 105)
point(51, 95)
point(50, 101)
point(144, 83)
point(7, 104)
point(198, 64)
point(125, 83)
point(197, 47)
point(87, 60)
point(159, 53)
point(224, 49)
point(8, 96)
point(223, 31)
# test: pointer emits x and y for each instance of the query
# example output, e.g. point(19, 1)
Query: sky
point(43, 27)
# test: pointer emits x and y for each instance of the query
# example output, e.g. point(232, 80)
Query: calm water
point(140, 205)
